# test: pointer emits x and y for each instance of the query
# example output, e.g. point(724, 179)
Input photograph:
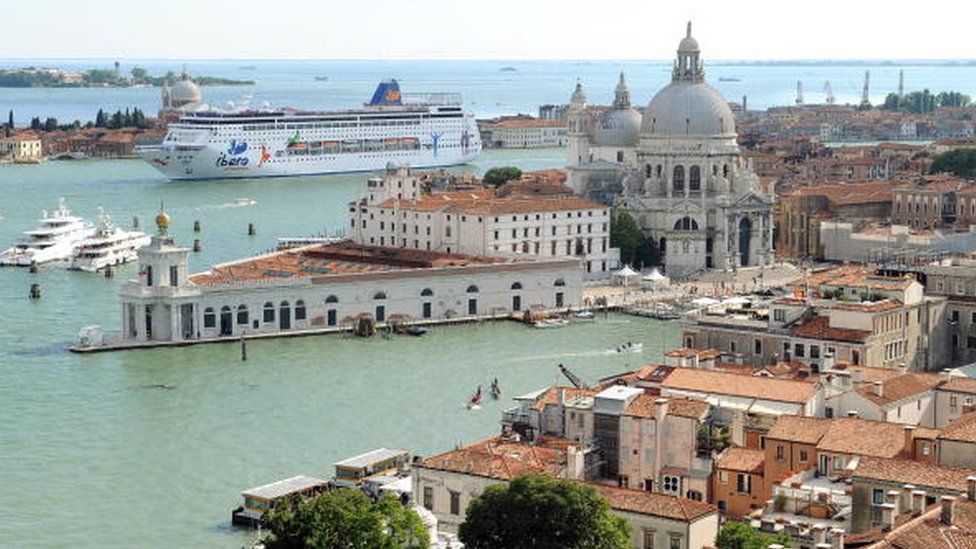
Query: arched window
point(686, 224)
point(472, 289)
point(209, 318)
point(242, 314)
point(678, 179)
point(559, 282)
point(332, 299)
point(694, 178)
point(379, 295)
point(516, 285)
point(427, 292)
point(269, 312)
point(300, 310)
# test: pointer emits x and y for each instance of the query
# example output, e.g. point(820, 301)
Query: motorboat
point(495, 390)
point(475, 399)
point(630, 347)
point(54, 239)
point(109, 245)
point(582, 315)
point(550, 323)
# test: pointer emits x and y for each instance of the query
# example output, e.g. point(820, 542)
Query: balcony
point(808, 498)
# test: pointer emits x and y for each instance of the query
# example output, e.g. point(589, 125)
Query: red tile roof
point(920, 474)
point(960, 385)
point(900, 387)
point(746, 460)
point(710, 381)
point(499, 459)
point(655, 504)
point(963, 429)
point(819, 327)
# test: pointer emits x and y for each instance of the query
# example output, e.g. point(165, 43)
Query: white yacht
point(54, 240)
point(109, 245)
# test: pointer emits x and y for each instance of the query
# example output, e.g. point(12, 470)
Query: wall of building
point(738, 504)
point(956, 453)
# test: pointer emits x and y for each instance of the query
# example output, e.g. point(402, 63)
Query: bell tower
point(688, 66)
point(578, 139)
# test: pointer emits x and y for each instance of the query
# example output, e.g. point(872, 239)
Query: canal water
point(152, 448)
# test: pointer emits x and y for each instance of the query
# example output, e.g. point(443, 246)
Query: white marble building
point(677, 167)
point(329, 286)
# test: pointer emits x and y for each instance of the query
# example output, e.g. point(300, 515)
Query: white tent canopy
point(625, 275)
point(655, 276)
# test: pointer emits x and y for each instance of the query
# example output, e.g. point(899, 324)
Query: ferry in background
point(54, 240)
point(109, 245)
point(423, 131)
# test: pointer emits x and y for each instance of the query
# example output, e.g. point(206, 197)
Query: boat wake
point(552, 356)
point(236, 203)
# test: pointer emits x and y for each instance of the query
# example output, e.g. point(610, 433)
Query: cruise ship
point(109, 245)
point(422, 131)
point(54, 240)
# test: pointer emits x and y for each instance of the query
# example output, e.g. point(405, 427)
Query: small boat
point(415, 331)
point(321, 78)
point(631, 347)
point(495, 390)
point(475, 399)
point(728, 79)
point(550, 323)
point(582, 315)
point(110, 245)
point(507, 69)
point(244, 201)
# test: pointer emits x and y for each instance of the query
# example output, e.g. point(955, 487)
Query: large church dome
point(688, 106)
point(185, 92)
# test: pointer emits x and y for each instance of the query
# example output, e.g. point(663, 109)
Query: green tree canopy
point(345, 518)
point(922, 102)
point(497, 177)
point(961, 162)
point(635, 248)
point(543, 513)
point(738, 535)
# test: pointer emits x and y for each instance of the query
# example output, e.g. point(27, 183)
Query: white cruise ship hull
point(206, 162)
point(25, 257)
point(120, 254)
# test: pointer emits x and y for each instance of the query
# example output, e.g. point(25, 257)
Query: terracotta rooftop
point(805, 430)
point(686, 352)
point(485, 202)
point(503, 460)
point(863, 437)
point(900, 387)
point(819, 327)
point(962, 429)
point(344, 258)
point(551, 396)
point(709, 381)
point(524, 122)
point(746, 460)
point(853, 193)
point(851, 276)
point(959, 384)
point(653, 503)
point(645, 406)
point(920, 474)
point(927, 531)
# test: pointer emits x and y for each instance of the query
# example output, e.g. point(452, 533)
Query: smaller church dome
point(688, 43)
point(618, 128)
point(579, 95)
point(185, 92)
point(162, 220)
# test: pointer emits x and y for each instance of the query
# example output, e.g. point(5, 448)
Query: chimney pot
point(879, 388)
point(971, 488)
point(918, 501)
point(948, 508)
point(852, 413)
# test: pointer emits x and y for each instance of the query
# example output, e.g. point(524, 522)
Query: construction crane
point(573, 378)
point(901, 83)
point(865, 93)
point(799, 92)
point(829, 92)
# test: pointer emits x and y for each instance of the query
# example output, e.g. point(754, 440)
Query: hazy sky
point(487, 29)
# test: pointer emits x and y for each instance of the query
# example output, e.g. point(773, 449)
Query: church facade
point(677, 168)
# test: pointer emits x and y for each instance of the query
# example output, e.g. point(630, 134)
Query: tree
point(50, 124)
point(36, 124)
point(961, 162)
point(545, 513)
point(738, 535)
point(101, 120)
point(345, 518)
point(497, 177)
point(139, 73)
point(626, 235)
point(10, 119)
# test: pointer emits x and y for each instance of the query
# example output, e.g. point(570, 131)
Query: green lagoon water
point(152, 448)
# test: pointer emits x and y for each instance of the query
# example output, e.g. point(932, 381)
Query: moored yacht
point(109, 245)
point(54, 240)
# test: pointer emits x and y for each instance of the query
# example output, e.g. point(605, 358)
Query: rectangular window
point(429, 498)
point(780, 453)
point(803, 456)
point(723, 477)
point(455, 502)
point(799, 350)
point(648, 539)
point(743, 484)
point(814, 351)
point(174, 275)
point(675, 541)
point(779, 315)
point(757, 347)
point(878, 496)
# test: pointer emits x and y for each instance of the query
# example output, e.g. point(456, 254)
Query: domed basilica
point(676, 168)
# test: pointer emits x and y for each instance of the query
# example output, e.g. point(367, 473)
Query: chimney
point(661, 408)
point(879, 388)
point(909, 431)
point(892, 496)
point(819, 533)
point(852, 413)
point(857, 376)
point(887, 516)
point(575, 463)
point(905, 502)
point(837, 539)
point(971, 488)
point(948, 509)
point(918, 502)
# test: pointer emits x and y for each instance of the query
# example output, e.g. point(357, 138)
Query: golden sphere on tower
point(162, 220)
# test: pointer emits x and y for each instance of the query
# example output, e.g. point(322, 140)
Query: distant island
point(34, 77)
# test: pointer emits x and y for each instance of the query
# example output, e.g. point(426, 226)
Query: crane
point(799, 93)
point(573, 378)
point(829, 92)
point(865, 93)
